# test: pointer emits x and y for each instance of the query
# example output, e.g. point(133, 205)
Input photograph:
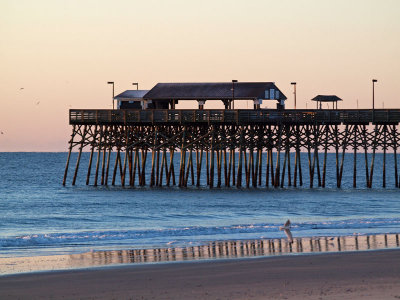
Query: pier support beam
point(223, 144)
point(71, 144)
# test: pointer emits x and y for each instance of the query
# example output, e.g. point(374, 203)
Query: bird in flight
point(21, 88)
point(286, 229)
point(37, 103)
point(2, 132)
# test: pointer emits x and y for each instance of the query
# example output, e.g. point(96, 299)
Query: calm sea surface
point(39, 216)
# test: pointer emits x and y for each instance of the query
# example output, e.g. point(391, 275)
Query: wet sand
point(351, 275)
point(213, 250)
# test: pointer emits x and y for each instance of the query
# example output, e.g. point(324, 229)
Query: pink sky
point(62, 53)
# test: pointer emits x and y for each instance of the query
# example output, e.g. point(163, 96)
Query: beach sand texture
point(352, 275)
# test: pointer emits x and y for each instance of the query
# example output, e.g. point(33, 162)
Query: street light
point(373, 99)
point(112, 82)
point(233, 92)
point(137, 85)
point(294, 92)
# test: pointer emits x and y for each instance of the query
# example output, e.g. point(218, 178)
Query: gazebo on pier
point(326, 98)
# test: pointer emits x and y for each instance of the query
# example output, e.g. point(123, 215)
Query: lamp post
point(294, 92)
point(373, 99)
point(137, 85)
point(112, 82)
point(233, 92)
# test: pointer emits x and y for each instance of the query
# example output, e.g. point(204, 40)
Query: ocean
point(40, 216)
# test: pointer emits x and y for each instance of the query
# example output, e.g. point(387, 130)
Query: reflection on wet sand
point(212, 250)
point(238, 249)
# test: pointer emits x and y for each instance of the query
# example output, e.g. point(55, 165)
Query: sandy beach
point(352, 275)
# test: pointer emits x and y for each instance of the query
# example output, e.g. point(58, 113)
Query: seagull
point(286, 229)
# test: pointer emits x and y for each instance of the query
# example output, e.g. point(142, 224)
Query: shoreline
point(348, 275)
point(211, 252)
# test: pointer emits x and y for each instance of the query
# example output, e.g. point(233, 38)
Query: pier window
point(272, 94)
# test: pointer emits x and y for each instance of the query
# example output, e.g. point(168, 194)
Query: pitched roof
point(131, 94)
point(326, 98)
point(212, 91)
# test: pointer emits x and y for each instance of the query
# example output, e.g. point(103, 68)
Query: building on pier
point(132, 99)
point(167, 95)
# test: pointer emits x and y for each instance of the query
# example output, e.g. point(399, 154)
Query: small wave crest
point(190, 233)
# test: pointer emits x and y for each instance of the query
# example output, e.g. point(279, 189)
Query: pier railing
point(242, 116)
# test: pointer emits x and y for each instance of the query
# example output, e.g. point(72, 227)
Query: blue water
point(39, 216)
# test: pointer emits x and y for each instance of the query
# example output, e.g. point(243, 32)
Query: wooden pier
point(242, 148)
